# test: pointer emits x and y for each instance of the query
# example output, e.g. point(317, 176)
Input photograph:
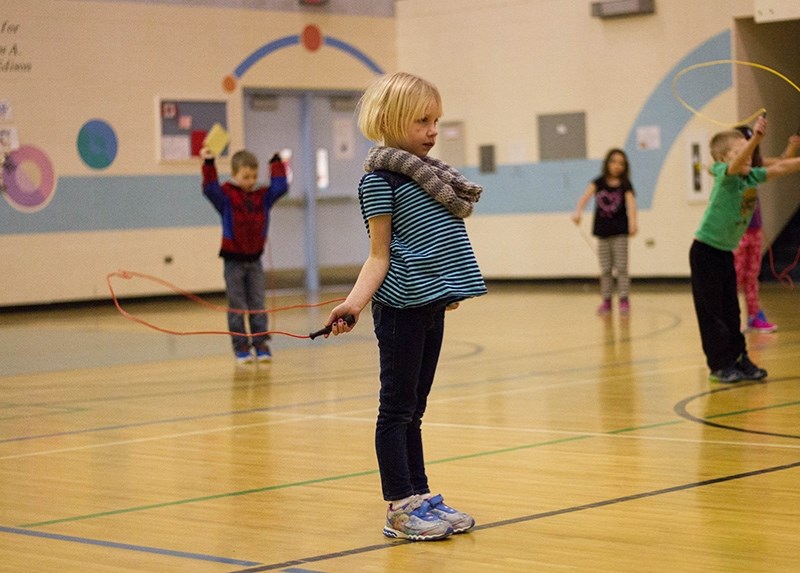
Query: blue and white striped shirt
point(431, 258)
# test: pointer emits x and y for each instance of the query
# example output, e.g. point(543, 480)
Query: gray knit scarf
point(441, 181)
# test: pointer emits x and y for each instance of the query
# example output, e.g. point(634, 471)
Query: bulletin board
point(184, 125)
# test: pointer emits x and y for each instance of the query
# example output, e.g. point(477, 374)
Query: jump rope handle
point(349, 319)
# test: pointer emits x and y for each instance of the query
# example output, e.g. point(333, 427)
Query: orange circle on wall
point(311, 38)
point(229, 84)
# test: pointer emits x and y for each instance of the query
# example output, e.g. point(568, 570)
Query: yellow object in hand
point(216, 139)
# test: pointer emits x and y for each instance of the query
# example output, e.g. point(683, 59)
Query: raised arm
point(783, 167)
point(278, 183)
point(740, 164)
point(791, 149)
point(211, 187)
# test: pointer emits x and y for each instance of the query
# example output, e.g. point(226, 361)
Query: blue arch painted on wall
point(288, 41)
point(554, 186)
point(664, 109)
point(263, 52)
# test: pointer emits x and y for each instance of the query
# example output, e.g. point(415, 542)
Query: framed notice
point(184, 125)
point(699, 180)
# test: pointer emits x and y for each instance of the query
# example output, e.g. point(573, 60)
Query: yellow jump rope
point(782, 276)
point(744, 121)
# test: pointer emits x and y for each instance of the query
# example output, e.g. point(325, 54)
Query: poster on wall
point(175, 147)
point(344, 139)
point(699, 180)
point(648, 137)
point(185, 124)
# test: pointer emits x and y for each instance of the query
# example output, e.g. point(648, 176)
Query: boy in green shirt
point(713, 273)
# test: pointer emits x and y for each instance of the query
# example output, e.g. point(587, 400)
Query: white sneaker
point(415, 521)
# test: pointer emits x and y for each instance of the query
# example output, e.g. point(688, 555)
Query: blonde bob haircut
point(392, 103)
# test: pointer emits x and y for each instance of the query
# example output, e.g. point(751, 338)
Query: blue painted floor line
point(127, 546)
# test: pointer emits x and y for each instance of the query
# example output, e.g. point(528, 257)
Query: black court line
point(528, 518)
point(127, 546)
point(680, 409)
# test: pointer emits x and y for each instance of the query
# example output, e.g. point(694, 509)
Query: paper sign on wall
point(344, 140)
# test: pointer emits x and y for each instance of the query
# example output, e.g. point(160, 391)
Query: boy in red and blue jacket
point(245, 209)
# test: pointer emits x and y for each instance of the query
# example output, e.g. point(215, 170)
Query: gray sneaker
point(460, 522)
point(749, 370)
point(415, 521)
point(727, 375)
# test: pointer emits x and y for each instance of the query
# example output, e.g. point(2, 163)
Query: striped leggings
point(613, 255)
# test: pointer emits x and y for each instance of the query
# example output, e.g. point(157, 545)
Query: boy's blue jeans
point(244, 284)
point(409, 341)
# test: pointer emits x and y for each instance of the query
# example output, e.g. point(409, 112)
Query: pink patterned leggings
point(747, 258)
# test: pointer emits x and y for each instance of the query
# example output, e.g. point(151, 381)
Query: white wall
point(498, 63)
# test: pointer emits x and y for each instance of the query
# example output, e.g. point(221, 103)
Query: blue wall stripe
point(83, 204)
point(554, 186)
point(547, 187)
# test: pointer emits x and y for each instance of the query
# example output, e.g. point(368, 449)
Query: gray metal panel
point(562, 136)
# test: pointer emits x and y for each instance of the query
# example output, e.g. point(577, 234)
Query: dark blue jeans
point(244, 284)
point(409, 341)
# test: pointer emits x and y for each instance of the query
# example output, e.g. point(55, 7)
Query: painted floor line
point(127, 546)
point(528, 518)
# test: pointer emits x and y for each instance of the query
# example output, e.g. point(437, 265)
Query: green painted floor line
point(647, 427)
point(285, 485)
point(511, 449)
point(750, 410)
point(197, 499)
point(372, 472)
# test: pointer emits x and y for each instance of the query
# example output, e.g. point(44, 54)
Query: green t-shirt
point(730, 208)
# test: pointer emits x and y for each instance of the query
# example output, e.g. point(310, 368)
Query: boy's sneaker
point(416, 522)
point(460, 522)
point(263, 353)
point(243, 356)
point(749, 370)
point(624, 306)
point(759, 323)
point(604, 308)
point(727, 375)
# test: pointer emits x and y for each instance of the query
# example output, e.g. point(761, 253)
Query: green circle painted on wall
point(97, 144)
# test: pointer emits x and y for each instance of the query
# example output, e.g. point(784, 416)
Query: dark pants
point(717, 305)
point(244, 284)
point(409, 341)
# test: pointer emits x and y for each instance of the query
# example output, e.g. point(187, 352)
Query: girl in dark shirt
point(614, 222)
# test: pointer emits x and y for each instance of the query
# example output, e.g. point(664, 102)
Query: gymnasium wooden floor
point(579, 443)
